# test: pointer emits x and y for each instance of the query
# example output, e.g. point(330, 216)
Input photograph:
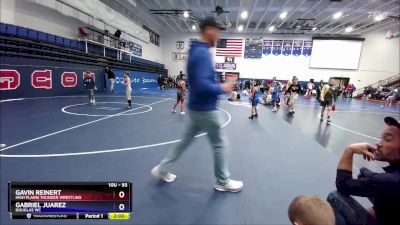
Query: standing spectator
point(128, 90)
point(319, 88)
point(348, 91)
point(293, 91)
point(383, 189)
point(160, 82)
point(90, 86)
point(310, 88)
point(203, 114)
point(328, 99)
point(111, 78)
point(275, 95)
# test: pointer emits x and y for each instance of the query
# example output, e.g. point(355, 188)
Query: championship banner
point(277, 49)
point(139, 80)
point(253, 48)
point(225, 66)
point(307, 48)
point(136, 49)
point(287, 47)
point(267, 47)
point(297, 46)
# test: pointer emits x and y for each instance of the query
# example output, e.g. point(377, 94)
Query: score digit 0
point(121, 207)
point(121, 194)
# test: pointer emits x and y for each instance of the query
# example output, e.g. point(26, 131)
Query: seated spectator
point(245, 92)
point(382, 188)
point(393, 97)
point(310, 210)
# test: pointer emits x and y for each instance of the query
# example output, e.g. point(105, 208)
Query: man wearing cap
point(383, 189)
point(203, 114)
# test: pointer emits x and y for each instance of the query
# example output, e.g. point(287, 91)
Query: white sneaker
point(173, 111)
point(274, 109)
point(182, 113)
point(3, 145)
point(94, 102)
point(168, 177)
point(231, 186)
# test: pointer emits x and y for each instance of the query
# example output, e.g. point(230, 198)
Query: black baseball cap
point(390, 121)
point(210, 22)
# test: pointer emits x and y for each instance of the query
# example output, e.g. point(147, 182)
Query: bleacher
point(25, 42)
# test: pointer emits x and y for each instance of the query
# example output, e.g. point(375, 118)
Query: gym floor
point(277, 157)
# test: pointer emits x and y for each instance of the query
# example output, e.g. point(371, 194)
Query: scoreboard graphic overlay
point(70, 200)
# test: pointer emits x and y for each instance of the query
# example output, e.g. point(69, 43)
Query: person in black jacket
point(111, 78)
point(90, 86)
point(383, 189)
point(319, 88)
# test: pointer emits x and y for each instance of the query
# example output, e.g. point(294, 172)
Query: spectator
point(160, 82)
point(111, 78)
point(310, 87)
point(310, 210)
point(319, 88)
point(382, 188)
point(90, 85)
point(394, 96)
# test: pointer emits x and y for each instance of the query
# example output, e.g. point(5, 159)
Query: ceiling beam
point(307, 12)
point(263, 15)
point(328, 17)
point(352, 19)
point(183, 19)
point(374, 27)
point(251, 14)
point(173, 20)
point(276, 15)
point(201, 9)
point(238, 16)
point(149, 16)
point(363, 20)
point(293, 11)
point(162, 19)
point(373, 23)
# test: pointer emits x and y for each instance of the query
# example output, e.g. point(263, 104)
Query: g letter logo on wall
point(9, 79)
point(69, 79)
point(41, 79)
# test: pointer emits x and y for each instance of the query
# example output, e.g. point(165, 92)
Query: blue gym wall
point(139, 81)
point(26, 66)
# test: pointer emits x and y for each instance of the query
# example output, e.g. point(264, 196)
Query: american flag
point(229, 47)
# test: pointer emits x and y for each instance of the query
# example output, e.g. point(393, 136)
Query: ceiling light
point(185, 14)
point(337, 15)
point(271, 28)
point(379, 17)
point(314, 28)
point(194, 27)
point(348, 29)
point(240, 28)
point(283, 15)
point(244, 14)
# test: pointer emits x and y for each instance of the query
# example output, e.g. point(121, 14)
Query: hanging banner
point(307, 48)
point(267, 47)
point(225, 66)
point(277, 50)
point(297, 46)
point(287, 47)
point(253, 48)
